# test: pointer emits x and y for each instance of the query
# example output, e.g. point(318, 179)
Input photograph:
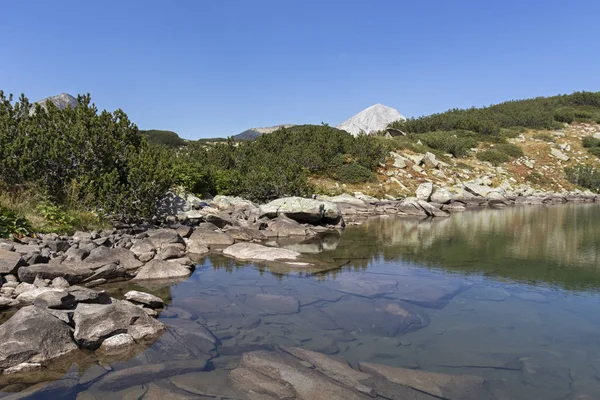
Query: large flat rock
point(160, 269)
point(71, 274)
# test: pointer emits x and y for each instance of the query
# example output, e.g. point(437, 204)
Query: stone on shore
point(71, 274)
point(424, 191)
point(303, 210)
point(144, 298)
point(10, 261)
point(210, 238)
point(96, 322)
point(32, 335)
point(160, 269)
point(101, 256)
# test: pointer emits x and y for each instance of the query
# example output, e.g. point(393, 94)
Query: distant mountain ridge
point(253, 133)
point(371, 120)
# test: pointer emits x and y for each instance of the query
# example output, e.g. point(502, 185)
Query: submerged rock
point(254, 251)
point(296, 373)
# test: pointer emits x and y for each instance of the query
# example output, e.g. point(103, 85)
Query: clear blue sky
point(215, 68)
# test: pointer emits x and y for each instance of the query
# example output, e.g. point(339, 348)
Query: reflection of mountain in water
point(556, 244)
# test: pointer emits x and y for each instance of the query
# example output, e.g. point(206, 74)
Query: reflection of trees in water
point(556, 244)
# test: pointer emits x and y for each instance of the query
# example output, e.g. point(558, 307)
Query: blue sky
point(216, 68)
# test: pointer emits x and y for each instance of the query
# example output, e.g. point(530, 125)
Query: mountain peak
point(370, 120)
point(61, 101)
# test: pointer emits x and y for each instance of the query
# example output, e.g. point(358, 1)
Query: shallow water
point(509, 294)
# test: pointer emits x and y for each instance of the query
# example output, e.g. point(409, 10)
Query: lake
point(511, 295)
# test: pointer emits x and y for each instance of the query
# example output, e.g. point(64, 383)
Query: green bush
point(164, 138)
point(12, 224)
point(353, 173)
point(545, 137)
point(585, 176)
point(509, 149)
point(81, 157)
point(457, 143)
point(595, 151)
point(590, 141)
point(564, 114)
point(494, 157)
point(538, 113)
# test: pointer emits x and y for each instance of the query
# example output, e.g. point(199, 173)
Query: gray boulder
point(71, 274)
point(162, 237)
point(101, 256)
point(32, 335)
point(283, 226)
point(96, 322)
point(210, 238)
point(441, 195)
point(303, 210)
point(424, 191)
point(10, 261)
point(159, 269)
point(476, 190)
point(144, 298)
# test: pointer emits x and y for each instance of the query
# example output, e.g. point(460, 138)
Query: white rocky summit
point(371, 120)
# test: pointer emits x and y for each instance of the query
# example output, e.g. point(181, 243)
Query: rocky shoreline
point(54, 280)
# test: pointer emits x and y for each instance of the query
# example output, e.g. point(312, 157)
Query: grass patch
point(494, 157)
point(544, 137)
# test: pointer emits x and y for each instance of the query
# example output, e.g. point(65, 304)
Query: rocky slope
point(371, 120)
point(541, 168)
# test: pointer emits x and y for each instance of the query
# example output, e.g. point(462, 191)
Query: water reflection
point(557, 245)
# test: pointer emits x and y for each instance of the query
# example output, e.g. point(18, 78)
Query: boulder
point(424, 191)
point(554, 152)
point(162, 237)
point(253, 251)
point(160, 269)
point(30, 296)
point(476, 190)
point(101, 256)
point(410, 206)
point(143, 246)
point(399, 161)
point(50, 271)
point(441, 195)
point(32, 335)
point(96, 322)
point(228, 202)
point(303, 210)
point(144, 298)
point(210, 238)
point(430, 161)
point(431, 210)
point(10, 261)
point(284, 226)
